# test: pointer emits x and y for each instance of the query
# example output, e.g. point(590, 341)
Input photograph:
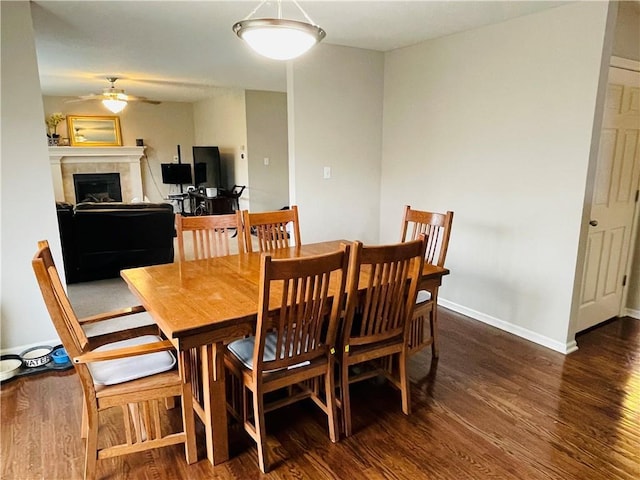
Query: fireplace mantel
point(80, 153)
point(68, 160)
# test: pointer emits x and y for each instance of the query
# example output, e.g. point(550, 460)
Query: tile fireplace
point(66, 162)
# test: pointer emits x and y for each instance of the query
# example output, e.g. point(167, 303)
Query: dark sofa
point(100, 239)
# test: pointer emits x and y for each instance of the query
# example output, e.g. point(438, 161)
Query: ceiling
point(182, 50)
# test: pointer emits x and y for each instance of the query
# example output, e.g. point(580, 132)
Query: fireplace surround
point(67, 161)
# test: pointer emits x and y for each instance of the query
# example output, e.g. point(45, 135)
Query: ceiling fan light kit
point(114, 98)
point(278, 38)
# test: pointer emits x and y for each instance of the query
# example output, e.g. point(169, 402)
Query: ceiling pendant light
point(116, 105)
point(114, 98)
point(278, 38)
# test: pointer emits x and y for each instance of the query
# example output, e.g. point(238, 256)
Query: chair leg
point(332, 411)
point(91, 453)
point(404, 382)
point(346, 401)
point(84, 427)
point(261, 434)
point(433, 323)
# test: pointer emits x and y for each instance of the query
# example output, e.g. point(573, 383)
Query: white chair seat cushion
point(423, 296)
point(243, 350)
point(112, 372)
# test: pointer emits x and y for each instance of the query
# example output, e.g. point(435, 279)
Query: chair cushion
point(423, 296)
point(243, 350)
point(112, 372)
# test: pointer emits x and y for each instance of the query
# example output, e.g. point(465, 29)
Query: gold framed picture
point(94, 131)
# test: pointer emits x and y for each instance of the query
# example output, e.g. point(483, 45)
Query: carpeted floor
point(90, 298)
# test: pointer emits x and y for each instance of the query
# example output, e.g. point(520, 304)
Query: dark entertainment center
point(207, 169)
point(210, 195)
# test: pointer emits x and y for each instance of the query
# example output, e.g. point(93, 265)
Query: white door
point(614, 201)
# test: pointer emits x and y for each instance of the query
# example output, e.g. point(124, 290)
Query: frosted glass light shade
point(114, 99)
point(115, 105)
point(279, 39)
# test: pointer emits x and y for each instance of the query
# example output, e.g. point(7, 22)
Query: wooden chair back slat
point(271, 229)
point(380, 312)
point(306, 318)
point(435, 226)
point(210, 235)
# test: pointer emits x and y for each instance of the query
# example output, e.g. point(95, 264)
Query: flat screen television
point(207, 168)
point(176, 173)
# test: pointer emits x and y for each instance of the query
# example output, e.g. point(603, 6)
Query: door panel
point(594, 252)
point(614, 270)
point(613, 202)
point(605, 166)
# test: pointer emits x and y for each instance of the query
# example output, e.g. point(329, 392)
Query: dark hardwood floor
point(493, 407)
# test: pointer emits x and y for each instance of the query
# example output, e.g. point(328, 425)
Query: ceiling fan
point(114, 98)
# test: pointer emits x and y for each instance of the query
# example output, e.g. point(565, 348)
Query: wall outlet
point(266, 160)
point(326, 173)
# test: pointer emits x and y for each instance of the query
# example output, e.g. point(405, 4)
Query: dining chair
point(210, 235)
point(300, 302)
point(437, 228)
point(271, 228)
point(382, 288)
point(123, 369)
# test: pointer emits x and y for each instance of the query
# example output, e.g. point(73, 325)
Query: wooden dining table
point(200, 305)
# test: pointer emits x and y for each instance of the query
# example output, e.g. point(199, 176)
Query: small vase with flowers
point(52, 125)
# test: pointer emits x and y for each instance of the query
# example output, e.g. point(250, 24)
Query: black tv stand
point(202, 205)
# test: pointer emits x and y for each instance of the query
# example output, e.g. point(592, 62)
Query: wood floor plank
point(493, 406)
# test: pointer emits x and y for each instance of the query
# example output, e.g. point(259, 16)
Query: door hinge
point(624, 281)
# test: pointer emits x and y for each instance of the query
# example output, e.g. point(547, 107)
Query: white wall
point(27, 201)
point(496, 124)
point(221, 121)
point(335, 120)
point(267, 138)
point(162, 128)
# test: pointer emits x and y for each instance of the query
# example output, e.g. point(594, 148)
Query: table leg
point(215, 406)
point(191, 451)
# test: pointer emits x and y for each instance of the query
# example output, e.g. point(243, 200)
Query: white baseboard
point(632, 312)
point(18, 350)
point(521, 332)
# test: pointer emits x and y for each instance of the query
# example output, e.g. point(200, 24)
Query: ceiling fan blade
point(112, 93)
point(130, 98)
point(152, 102)
point(84, 98)
point(134, 98)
